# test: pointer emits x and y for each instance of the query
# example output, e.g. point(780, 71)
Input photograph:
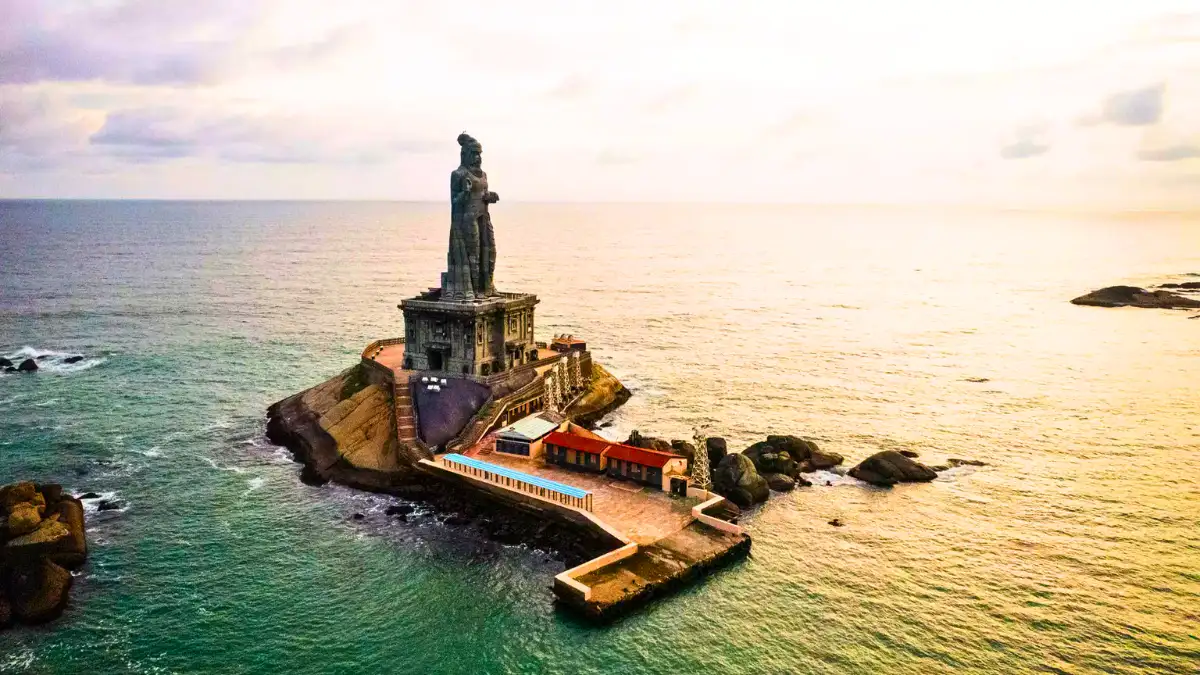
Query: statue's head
point(471, 151)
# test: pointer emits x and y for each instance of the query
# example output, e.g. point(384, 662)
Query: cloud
point(1170, 153)
point(153, 134)
point(570, 88)
point(1029, 141)
point(141, 42)
point(38, 130)
point(1135, 108)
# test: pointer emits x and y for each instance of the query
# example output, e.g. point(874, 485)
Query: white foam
point(213, 463)
point(820, 478)
point(256, 483)
point(93, 505)
point(52, 361)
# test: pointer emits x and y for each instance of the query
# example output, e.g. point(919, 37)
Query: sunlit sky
point(1092, 103)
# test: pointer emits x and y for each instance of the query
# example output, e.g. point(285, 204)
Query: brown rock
point(890, 467)
point(11, 495)
point(39, 591)
point(911, 454)
point(1132, 296)
point(23, 519)
point(72, 551)
point(52, 492)
point(779, 482)
point(45, 540)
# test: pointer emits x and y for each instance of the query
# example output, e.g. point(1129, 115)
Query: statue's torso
point(472, 202)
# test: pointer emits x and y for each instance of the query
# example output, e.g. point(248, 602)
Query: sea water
point(1076, 549)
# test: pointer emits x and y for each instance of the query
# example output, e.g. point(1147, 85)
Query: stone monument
point(466, 326)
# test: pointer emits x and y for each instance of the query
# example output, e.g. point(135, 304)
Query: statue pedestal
point(480, 336)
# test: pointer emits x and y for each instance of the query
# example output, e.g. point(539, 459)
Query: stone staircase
point(406, 422)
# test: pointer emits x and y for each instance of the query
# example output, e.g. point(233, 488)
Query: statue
point(471, 260)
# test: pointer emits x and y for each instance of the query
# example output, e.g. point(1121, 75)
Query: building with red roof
point(594, 454)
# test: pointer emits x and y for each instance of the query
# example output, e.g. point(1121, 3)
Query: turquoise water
point(1076, 550)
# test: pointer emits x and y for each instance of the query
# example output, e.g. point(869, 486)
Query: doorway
point(435, 359)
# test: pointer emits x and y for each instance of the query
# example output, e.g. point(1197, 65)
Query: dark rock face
point(911, 454)
point(1187, 285)
point(736, 479)
point(442, 415)
point(110, 505)
point(27, 366)
point(717, 448)
point(73, 359)
point(890, 467)
point(1132, 296)
point(954, 461)
point(399, 510)
point(4, 362)
point(39, 591)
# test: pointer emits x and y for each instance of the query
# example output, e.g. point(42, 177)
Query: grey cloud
point(144, 42)
point(153, 134)
point(1135, 108)
point(1170, 153)
point(38, 130)
point(1029, 141)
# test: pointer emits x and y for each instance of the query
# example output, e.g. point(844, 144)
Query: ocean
point(948, 331)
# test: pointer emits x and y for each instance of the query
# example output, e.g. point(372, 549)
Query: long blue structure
point(555, 486)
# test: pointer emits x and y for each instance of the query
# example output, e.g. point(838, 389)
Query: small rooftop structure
point(525, 436)
point(578, 443)
point(530, 428)
point(567, 343)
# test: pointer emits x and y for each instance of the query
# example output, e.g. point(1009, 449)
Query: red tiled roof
point(575, 442)
point(640, 455)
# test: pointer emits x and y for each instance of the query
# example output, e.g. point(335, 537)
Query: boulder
point(52, 492)
point(5, 363)
point(1132, 296)
point(890, 467)
point(71, 551)
point(820, 460)
point(796, 447)
point(50, 536)
point(11, 495)
point(89, 495)
point(637, 440)
point(736, 479)
point(769, 459)
point(779, 482)
point(39, 591)
point(10, 369)
point(110, 505)
point(23, 519)
point(27, 366)
point(911, 454)
point(73, 359)
point(717, 449)
point(685, 449)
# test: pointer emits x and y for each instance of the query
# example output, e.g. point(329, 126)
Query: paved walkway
point(391, 356)
point(645, 515)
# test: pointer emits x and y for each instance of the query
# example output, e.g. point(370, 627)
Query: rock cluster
point(747, 478)
point(1132, 296)
point(41, 537)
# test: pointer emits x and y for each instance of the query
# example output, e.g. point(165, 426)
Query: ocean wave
point(213, 463)
point(833, 479)
point(52, 361)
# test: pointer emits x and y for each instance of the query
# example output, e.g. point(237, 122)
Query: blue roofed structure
point(519, 480)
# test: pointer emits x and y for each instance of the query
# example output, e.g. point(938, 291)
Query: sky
point(1046, 103)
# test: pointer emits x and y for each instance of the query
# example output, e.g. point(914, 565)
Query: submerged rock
point(27, 366)
point(890, 467)
point(5, 363)
point(954, 461)
point(110, 505)
point(399, 510)
point(736, 479)
point(73, 359)
point(1132, 296)
point(911, 454)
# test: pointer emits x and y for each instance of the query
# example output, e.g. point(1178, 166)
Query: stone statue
point(471, 260)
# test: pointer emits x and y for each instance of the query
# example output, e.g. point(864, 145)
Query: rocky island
point(469, 412)
point(1133, 296)
point(41, 537)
